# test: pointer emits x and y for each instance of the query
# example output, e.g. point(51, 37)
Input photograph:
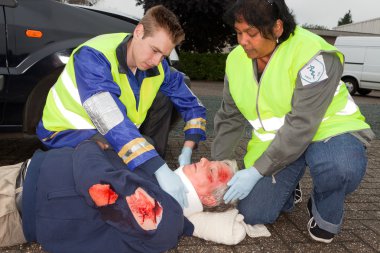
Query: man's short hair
point(219, 192)
point(159, 17)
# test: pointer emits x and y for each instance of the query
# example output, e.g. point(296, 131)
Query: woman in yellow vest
point(285, 81)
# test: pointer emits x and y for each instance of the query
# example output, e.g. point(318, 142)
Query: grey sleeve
point(229, 125)
point(309, 104)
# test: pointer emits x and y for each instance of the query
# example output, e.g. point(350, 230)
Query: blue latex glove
point(172, 184)
point(241, 184)
point(185, 156)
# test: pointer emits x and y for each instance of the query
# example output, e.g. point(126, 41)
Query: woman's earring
point(277, 40)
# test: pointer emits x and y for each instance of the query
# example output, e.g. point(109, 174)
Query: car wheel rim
point(350, 86)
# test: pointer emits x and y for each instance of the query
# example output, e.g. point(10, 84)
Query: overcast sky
point(314, 12)
point(328, 12)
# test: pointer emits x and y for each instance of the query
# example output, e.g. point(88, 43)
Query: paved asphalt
point(361, 227)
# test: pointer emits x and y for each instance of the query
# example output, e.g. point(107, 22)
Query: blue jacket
point(59, 214)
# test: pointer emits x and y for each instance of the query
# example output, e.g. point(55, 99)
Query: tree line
point(203, 20)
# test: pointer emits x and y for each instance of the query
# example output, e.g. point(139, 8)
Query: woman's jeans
point(337, 166)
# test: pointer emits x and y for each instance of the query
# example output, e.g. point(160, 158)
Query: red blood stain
point(224, 175)
point(144, 208)
point(102, 194)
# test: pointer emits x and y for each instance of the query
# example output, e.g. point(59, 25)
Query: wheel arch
point(35, 103)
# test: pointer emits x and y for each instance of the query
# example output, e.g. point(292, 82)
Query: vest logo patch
point(314, 72)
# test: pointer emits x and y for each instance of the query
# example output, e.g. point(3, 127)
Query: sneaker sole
point(320, 239)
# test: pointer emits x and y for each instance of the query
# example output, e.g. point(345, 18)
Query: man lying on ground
point(84, 200)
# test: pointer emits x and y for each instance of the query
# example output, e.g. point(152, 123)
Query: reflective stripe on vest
point(76, 120)
point(273, 124)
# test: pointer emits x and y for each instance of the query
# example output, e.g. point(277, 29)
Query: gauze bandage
point(258, 230)
point(225, 227)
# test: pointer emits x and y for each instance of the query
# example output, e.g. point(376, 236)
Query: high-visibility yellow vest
point(265, 106)
point(63, 109)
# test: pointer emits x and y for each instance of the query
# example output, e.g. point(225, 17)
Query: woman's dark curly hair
point(262, 14)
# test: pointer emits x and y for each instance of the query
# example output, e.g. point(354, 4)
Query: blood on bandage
point(146, 210)
point(102, 194)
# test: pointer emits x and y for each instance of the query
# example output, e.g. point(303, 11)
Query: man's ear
point(208, 200)
point(139, 31)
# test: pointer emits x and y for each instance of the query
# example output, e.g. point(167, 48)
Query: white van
point(362, 63)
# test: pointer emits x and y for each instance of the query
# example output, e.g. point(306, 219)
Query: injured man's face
point(209, 179)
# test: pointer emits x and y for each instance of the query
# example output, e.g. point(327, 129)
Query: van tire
point(364, 91)
point(351, 84)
